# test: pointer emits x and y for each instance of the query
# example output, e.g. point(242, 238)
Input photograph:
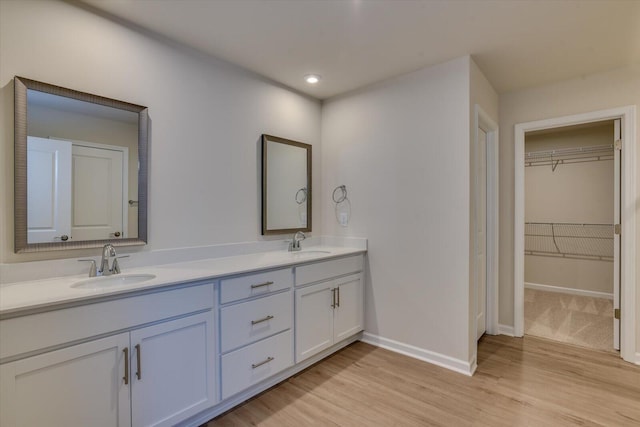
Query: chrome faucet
point(108, 252)
point(294, 245)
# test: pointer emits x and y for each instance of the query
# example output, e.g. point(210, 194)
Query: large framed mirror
point(80, 169)
point(286, 185)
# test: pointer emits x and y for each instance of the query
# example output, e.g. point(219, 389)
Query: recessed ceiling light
point(312, 78)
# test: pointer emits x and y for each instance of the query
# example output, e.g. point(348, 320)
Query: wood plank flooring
point(519, 382)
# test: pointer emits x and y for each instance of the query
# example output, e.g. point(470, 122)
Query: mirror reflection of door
point(48, 190)
point(76, 190)
point(98, 177)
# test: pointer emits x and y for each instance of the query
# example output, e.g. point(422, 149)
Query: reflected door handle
point(64, 238)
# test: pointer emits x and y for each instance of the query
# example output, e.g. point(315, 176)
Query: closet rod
point(595, 152)
point(562, 152)
point(569, 155)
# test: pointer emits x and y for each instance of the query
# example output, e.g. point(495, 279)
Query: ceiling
point(352, 43)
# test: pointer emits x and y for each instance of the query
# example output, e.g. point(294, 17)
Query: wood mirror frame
point(265, 178)
point(21, 245)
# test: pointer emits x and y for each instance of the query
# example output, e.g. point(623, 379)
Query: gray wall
point(206, 120)
point(402, 148)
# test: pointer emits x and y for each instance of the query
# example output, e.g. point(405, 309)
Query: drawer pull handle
point(338, 291)
point(126, 365)
point(264, 319)
point(260, 285)
point(138, 357)
point(265, 361)
point(333, 298)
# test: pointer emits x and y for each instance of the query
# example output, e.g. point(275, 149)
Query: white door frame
point(483, 121)
point(628, 221)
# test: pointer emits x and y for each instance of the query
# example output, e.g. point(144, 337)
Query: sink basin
point(304, 254)
point(115, 280)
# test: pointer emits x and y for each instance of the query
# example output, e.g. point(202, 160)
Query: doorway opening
point(571, 191)
point(623, 243)
point(484, 227)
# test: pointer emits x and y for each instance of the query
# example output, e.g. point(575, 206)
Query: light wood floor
point(519, 382)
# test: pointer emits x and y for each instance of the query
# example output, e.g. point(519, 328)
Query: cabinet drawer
point(251, 321)
point(247, 366)
point(38, 331)
point(324, 270)
point(254, 284)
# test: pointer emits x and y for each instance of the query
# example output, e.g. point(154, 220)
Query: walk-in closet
point(570, 189)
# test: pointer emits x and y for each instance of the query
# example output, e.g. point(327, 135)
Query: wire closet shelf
point(563, 156)
point(569, 240)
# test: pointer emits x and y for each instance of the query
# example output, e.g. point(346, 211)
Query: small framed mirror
point(286, 186)
point(80, 169)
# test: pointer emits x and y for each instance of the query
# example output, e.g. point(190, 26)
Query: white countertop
point(48, 293)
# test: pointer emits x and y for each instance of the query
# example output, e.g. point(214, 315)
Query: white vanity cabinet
point(181, 353)
point(156, 375)
point(330, 309)
point(256, 318)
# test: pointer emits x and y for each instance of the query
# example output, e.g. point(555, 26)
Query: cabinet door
point(81, 385)
point(314, 319)
point(172, 370)
point(348, 316)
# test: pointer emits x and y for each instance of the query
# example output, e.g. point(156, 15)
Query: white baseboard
point(442, 360)
point(571, 291)
point(506, 330)
point(473, 365)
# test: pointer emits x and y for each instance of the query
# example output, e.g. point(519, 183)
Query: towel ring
point(341, 196)
point(301, 195)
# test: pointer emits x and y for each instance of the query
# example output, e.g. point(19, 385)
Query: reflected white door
point(481, 232)
point(48, 190)
point(97, 193)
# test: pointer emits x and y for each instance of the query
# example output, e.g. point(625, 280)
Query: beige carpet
point(584, 321)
